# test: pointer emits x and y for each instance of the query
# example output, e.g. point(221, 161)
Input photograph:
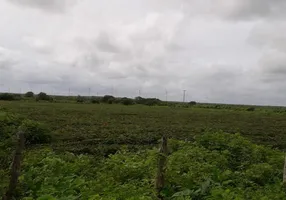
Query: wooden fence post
point(16, 166)
point(284, 171)
point(162, 161)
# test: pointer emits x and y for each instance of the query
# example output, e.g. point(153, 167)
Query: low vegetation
point(216, 166)
point(96, 150)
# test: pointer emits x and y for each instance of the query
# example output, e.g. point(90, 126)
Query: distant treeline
point(108, 99)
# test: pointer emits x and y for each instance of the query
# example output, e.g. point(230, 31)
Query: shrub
point(8, 124)
point(201, 170)
point(117, 100)
point(43, 96)
point(250, 109)
point(7, 97)
point(192, 103)
point(95, 101)
point(127, 101)
point(139, 100)
point(51, 99)
point(108, 99)
point(148, 101)
point(29, 94)
point(35, 132)
point(79, 99)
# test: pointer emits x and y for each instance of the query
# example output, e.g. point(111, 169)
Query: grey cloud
point(147, 46)
point(249, 9)
point(273, 62)
point(103, 42)
point(7, 59)
point(175, 47)
point(151, 34)
point(269, 35)
point(271, 39)
point(56, 6)
point(38, 45)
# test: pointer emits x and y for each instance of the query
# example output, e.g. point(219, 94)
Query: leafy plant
point(195, 170)
point(29, 94)
point(43, 96)
point(35, 132)
point(127, 101)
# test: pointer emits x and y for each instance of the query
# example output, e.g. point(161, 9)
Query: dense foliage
point(95, 100)
point(9, 97)
point(192, 103)
point(127, 101)
point(80, 99)
point(35, 132)
point(108, 99)
point(148, 101)
point(216, 166)
point(10, 124)
point(43, 96)
point(29, 94)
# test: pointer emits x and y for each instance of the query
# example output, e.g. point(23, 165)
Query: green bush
point(215, 166)
point(29, 94)
point(80, 99)
point(35, 132)
point(67, 176)
point(108, 99)
point(148, 101)
point(43, 96)
point(250, 109)
point(127, 101)
point(95, 101)
point(192, 103)
point(7, 97)
point(9, 124)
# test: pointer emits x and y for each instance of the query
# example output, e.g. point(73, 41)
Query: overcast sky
point(230, 51)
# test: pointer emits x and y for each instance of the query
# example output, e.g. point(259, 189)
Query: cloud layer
point(231, 52)
point(46, 5)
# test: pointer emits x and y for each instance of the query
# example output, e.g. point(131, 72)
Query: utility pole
point(184, 95)
point(1, 84)
point(166, 95)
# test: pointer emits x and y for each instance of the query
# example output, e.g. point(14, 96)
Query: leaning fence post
point(284, 171)
point(16, 165)
point(162, 161)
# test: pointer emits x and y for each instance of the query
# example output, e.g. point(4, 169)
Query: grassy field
point(94, 128)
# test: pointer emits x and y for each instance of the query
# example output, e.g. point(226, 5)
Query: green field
point(120, 147)
point(76, 126)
